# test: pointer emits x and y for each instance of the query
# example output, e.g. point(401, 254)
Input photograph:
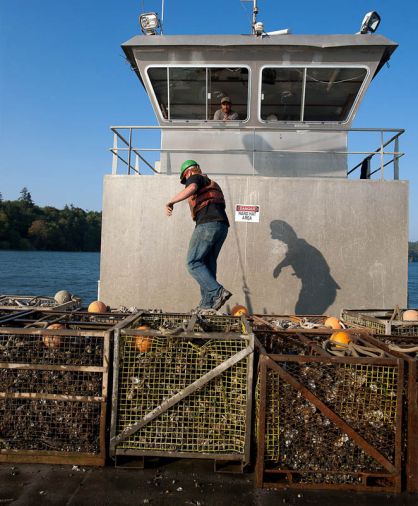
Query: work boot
point(207, 312)
point(199, 310)
point(221, 299)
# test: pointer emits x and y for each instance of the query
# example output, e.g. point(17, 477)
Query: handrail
point(232, 126)
point(394, 137)
point(130, 149)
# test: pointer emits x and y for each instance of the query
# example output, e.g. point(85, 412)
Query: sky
point(64, 81)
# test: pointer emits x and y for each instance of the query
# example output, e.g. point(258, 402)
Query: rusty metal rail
point(41, 302)
point(327, 422)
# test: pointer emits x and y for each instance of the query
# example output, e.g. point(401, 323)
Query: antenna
point(162, 17)
point(254, 17)
point(255, 12)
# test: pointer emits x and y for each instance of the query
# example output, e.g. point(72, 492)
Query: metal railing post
point(115, 155)
point(396, 160)
point(130, 150)
point(253, 157)
point(382, 158)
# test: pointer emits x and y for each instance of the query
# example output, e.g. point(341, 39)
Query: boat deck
point(184, 482)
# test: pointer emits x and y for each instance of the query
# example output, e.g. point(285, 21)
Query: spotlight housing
point(370, 22)
point(149, 23)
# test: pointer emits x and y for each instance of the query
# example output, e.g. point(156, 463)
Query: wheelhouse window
point(195, 93)
point(281, 97)
point(309, 94)
point(228, 82)
point(330, 93)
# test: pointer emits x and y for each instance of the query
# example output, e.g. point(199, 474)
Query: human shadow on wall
point(250, 141)
point(319, 288)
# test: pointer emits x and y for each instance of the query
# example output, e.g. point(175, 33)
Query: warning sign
point(247, 213)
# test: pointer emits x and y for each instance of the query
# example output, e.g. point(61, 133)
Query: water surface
point(47, 272)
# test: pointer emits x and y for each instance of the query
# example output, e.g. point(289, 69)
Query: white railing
point(127, 151)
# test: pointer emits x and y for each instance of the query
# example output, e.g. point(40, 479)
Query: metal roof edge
point(322, 41)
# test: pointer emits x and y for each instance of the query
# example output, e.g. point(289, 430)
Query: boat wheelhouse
point(318, 219)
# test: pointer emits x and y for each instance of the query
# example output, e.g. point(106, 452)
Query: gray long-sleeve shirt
point(220, 116)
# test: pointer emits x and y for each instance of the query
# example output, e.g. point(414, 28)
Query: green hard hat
point(185, 165)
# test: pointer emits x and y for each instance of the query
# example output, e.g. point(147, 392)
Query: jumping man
point(207, 206)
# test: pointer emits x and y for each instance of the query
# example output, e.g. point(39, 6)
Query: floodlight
point(149, 23)
point(370, 22)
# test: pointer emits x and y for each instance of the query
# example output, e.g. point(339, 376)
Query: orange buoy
point(333, 323)
point(410, 315)
point(340, 338)
point(142, 343)
point(97, 307)
point(53, 341)
point(239, 310)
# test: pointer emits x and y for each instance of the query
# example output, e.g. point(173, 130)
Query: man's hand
point(277, 271)
point(169, 209)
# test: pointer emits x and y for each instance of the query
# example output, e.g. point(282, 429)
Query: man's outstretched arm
point(183, 195)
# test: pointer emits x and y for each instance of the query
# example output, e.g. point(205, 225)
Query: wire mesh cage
point(38, 301)
point(40, 318)
point(325, 420)
point(381, 321)
point(182, 388)
point(407, 349)
point(53, 390)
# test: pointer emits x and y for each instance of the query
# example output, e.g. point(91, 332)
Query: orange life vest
point(211, 193)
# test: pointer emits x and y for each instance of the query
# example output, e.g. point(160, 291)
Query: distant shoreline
point(24, 226)
point(45, 251)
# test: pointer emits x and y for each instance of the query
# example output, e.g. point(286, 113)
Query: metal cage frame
point(411, 379)
point(380, 321)
point(46, 364)
point(236, 461)
point(33, 302)
point(281, 476)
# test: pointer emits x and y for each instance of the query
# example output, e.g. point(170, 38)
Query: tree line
point(26, 226)
point(413, 251)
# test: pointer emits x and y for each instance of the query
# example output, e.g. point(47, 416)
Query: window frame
point(204, 66)
point(304, 67)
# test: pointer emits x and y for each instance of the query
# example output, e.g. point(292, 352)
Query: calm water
point(413, 285)
point(46, 272)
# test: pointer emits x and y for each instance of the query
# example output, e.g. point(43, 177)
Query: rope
point(284, 324)
point(351, 350)
point(306, 324)
point(413, 349)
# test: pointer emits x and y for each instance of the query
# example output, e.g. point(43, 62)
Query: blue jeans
point(205, 244)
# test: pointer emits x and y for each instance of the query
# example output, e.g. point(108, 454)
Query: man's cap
point(186, 165)
point(225, 99)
